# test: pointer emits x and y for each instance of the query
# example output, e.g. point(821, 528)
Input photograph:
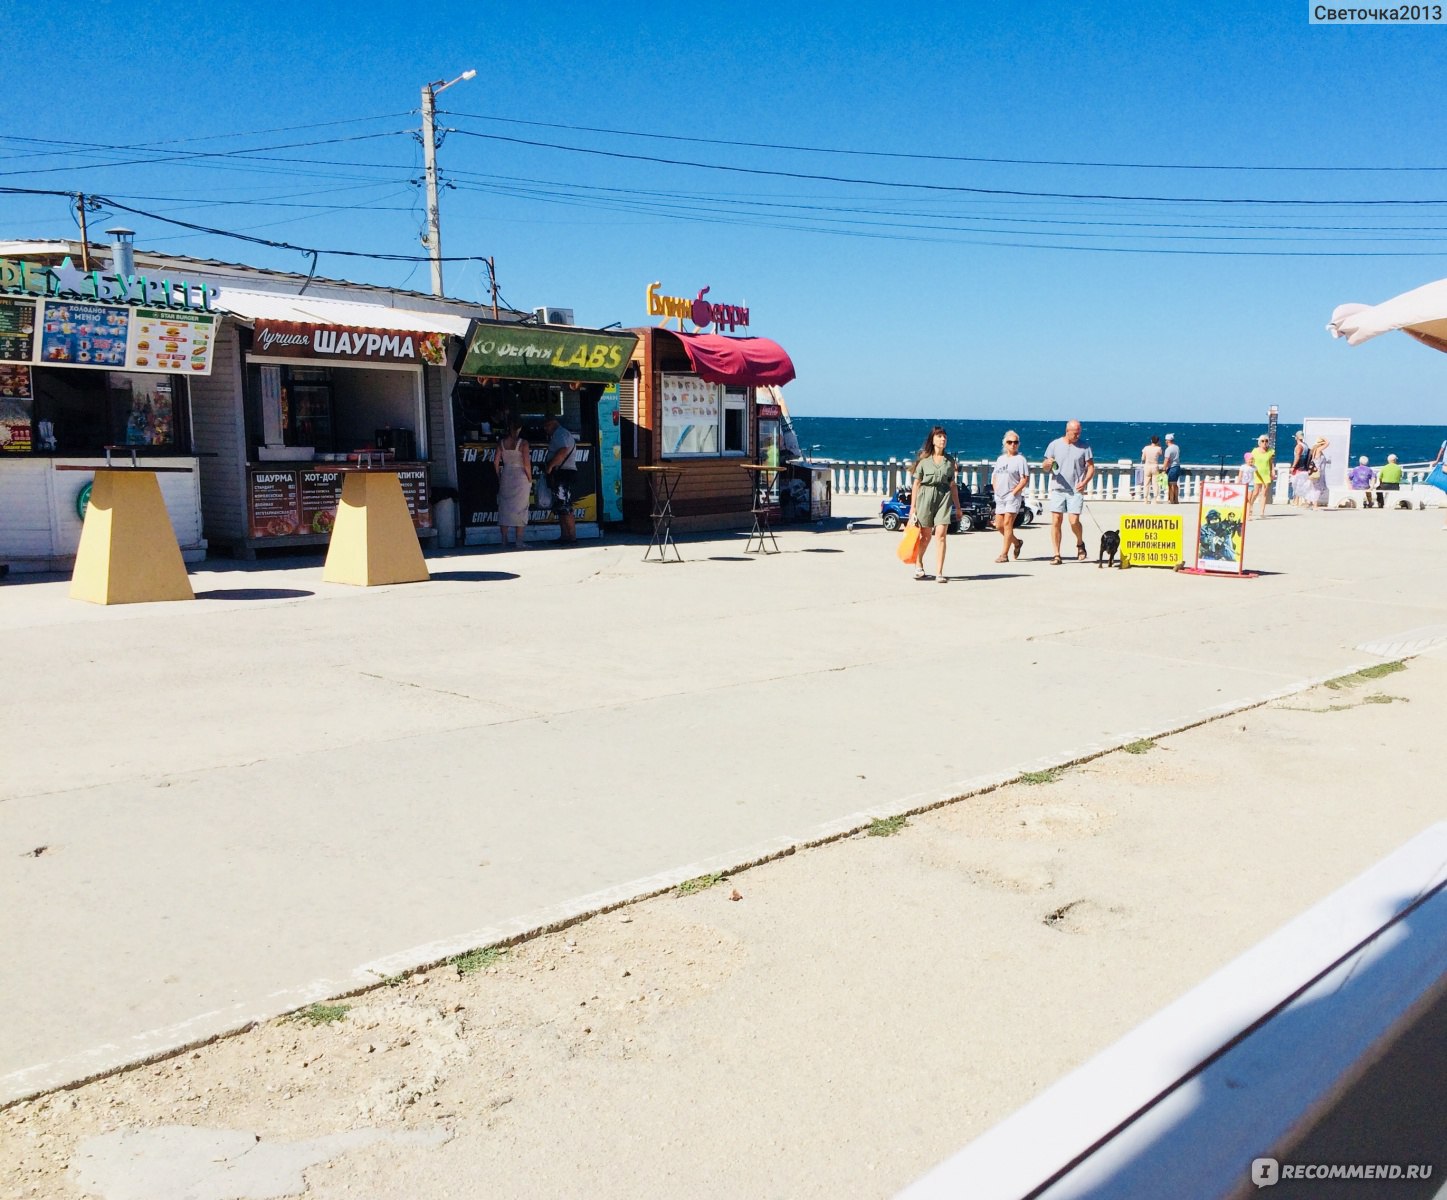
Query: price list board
point(83, 335)
point(414, 488)
point(170, 341)
point(17, 329)
point(304, 501)
point(274, 511)
point(321, 493)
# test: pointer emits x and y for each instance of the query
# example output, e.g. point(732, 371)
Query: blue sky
point(891, 299)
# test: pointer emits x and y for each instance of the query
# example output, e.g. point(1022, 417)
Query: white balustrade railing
point(1117, 481)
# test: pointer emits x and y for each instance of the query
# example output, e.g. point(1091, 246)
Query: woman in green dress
point(934, 501)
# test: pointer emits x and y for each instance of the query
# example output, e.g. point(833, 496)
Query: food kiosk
point(690, 401)
point(533, 372)
point(95, 364)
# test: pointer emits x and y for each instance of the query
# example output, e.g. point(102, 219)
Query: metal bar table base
point(662, 483)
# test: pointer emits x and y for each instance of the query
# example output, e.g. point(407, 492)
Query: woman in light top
point(934, 501)
point(1319, 496)
point(1010, 478)
point(514, 463)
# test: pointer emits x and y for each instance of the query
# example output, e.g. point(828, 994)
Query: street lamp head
point(441, 86)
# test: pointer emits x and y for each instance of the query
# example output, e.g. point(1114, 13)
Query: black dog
point(1109, 548)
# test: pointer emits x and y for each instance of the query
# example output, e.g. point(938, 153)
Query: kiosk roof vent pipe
point(123, 250)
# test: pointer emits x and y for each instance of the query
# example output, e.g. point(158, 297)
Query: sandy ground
point(832, 1023)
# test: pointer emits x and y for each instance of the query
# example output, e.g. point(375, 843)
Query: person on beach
point(1171, 463)
point(1263, 462)
point(1009, 479)
point(1316, 479)
point(934, 501)
point(1072, 466)
point(514, 464)
point(1363, 479)
point(1300, 471)
point(1150, 467)
point(1389, 479)
point(561, 470)
point(1246, 476)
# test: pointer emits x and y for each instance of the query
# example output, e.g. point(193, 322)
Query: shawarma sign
point(294, 339)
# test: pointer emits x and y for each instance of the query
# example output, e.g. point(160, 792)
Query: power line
point(250, 152)
point(960, 158)
point(930, 187)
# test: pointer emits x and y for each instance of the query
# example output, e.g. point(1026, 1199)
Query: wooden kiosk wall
point(713, 493)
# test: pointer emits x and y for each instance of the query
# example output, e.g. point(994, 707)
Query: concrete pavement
point(288, 789)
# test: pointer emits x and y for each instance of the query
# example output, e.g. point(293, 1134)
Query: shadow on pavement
point(475, 576)
point(253, 594)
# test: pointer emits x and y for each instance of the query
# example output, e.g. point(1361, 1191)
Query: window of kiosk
point(701, 419)
point(337, 409)
point(83, 412)
point(735, 420)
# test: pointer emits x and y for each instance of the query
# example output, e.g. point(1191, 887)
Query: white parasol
point(1422, 313)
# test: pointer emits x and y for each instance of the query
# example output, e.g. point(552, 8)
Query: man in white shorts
point(1072, 466)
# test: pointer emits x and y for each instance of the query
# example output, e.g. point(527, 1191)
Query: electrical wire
point(960, 158)
point(930, 187)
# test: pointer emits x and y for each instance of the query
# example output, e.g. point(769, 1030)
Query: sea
point(1201, 443)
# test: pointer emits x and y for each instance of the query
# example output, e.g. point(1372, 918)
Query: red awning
point(744, 362)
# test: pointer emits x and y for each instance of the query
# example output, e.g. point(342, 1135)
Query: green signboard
point(525, 352)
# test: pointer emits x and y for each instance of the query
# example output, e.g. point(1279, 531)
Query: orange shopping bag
point(909, 544)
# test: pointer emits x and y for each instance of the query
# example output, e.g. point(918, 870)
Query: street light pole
point(429, 150)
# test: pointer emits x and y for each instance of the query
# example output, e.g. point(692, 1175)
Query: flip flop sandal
point(1002, 558)
point(1019, 545)
point(1055, 561)
point(941, 579)
point(1081, 553)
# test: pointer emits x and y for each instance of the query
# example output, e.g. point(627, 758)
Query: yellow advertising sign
point(1152, 540)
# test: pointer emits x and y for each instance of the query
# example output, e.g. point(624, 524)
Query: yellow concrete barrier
point(128, 551)
point(373, 540)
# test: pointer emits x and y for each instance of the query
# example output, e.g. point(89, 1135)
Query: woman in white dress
point(514, 463)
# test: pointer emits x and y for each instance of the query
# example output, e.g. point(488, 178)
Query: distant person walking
point(1009, 479)
point(1263, 462)
point(1150, 467)
point(1171, 461)
point(562, 472)
point(514, 463)
point(1389, 479)
point(1363, 479)
point(1072, 466)
point(1300, 471)
point(1319, 494)
point(934, 501)
point(1246, 476)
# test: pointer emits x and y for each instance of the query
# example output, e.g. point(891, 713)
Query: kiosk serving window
point(702, 419)
point(82, 412)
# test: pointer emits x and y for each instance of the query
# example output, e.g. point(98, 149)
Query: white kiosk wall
point(1338, 433)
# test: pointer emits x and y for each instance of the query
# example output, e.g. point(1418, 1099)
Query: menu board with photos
point(17, 329)
point(83, 335)
point(690, 415)
point(295, 501)
point(273, 503)
point(17, 406)
point(179, 343)
point(321, 493)
point(68, 333)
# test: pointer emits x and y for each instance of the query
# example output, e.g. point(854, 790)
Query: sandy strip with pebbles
point(831, 1023)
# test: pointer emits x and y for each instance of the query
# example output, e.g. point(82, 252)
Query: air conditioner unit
point(554, 316)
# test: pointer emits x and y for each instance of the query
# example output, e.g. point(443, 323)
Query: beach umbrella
point(1422, 313)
